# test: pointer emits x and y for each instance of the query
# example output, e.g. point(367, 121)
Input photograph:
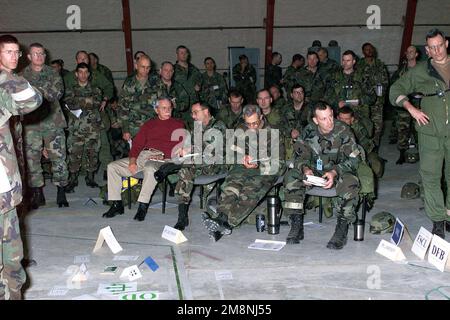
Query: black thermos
point(273, 214)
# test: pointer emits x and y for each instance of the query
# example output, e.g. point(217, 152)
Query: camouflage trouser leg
point(347, 189)
point(376, 115)
point(186, 177)
point(403, 129)
point(33, 150)
point(294, 193)
point(55, 143)
point(77, 142)
point(12, 274)
point(363, 113)
point(394, 128)
point(241, 193)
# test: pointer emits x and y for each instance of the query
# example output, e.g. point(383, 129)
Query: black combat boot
point(183, 219)
point(73, 182)
point(217, 227)
point(37, 198)
point(401, 159)
point(296, 232)
point(61, 197)
point(339, 239)
point(141, 212)
point(90, 181)
point(439, 228)
point(447, 226)
point(115, 209)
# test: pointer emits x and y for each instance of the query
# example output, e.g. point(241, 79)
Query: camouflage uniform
point(245, 82)
point(289, 79)
point(45, 128)
point(214, 91)
point(274, 118)
point(187, 175)
point(403, 121)
point(362, 138)
point(337, 150)
point(313, 84)
point(136, 105)
point(373, 74)
point(293, 119)
point(16, 97)
point(351, 87)
point(327, 69)
point(273, 75)
point(180, 97)
point(229, 118)
point(243, 188)
point(188, 78)
point(279, 103)
point(97, 80)
point(84, 132)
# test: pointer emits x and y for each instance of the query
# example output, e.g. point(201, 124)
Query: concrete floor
point(202, 269)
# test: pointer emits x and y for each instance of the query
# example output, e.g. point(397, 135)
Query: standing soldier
point(84, 128)
point(403, 128)
point(16, 97)
point(375, 77)
point(188, 76)
point(431, 78)
point(350, 90)
point(326, 149)
point(136, 104)
point(211, 129)
point(44, 128)
point(309, 77)
point(274, 74)
point(214, 88)
point(291, 73)
point(244, 75)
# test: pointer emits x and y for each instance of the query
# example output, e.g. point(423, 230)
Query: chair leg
point(164, 196)
point(129, 192)
point(320, 209)
point(201, 197)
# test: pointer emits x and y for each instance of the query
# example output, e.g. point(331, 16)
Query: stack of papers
point(267, 245)
point(315, 181)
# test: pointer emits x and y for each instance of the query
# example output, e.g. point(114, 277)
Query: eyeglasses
point(435, 48)
point(12, 52)
point(253, 124)
point(38, 54)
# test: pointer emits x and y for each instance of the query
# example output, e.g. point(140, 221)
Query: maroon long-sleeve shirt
point(156, 134)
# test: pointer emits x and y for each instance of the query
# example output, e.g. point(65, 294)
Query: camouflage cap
point(382, 222)
point(412, 155)
point(410, 191)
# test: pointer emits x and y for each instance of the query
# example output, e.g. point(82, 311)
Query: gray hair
point(251, 109)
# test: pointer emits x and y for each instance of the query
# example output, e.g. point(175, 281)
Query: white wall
point(209, 27)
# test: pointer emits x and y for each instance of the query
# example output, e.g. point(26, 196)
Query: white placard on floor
point(422, 242)
point(106, 235)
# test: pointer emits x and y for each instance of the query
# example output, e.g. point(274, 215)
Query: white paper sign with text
point(106, 234)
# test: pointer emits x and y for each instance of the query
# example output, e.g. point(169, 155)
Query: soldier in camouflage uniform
point(104, 70)
point(274, 74)
point(326, 149)
point(166, 86)
point(119, 147)
point(403, 128)
point(327, 68)
point(291, 73)
point(84, 131)
point(231, 115)
point(244, 76)
point(210, 164)
point(214, 88)
point(309, 77)
point(189, 77)
point(278, 101)
point(17, 97)
point(347, 115)
point(44, 128)
point(273, 116)
point(374, 74)
point(249, 180)
point(350, 90)
point(136, 100)
point(98, 80)
point(296, 115)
